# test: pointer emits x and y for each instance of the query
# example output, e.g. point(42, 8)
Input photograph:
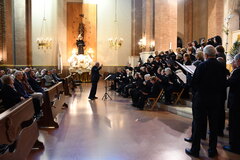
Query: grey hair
point(147, 76)
point(237, 57)
point(17, 73)
point(168, 70)
point(6, 79)
point(210, 51)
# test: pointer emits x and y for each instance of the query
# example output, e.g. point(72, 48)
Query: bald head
point(209, 51)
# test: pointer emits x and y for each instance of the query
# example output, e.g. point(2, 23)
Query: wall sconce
point(142, 43)
point(152, 46)
point(115, 43)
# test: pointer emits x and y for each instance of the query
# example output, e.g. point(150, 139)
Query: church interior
point(119, 79)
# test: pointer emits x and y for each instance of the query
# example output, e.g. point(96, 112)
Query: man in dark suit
point(151, 91)
point(9, 95)
point(20, 89)
point(209, 84)
point(234, 108)
point(95, 75)
point(33, 83)
point(19, 86)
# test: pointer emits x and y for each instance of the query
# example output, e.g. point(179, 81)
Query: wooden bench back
point(18, 127)
point(68, 85)
point(52, 95)
point(60, 87)
point(11, 120)
point(53, 92)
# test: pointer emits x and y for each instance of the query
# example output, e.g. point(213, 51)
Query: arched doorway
point(179, 42)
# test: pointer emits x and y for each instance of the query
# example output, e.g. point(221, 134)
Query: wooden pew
point(18, 127)
point(61, 96)
point(51, 108)
point(67, 84)
point(75, 77)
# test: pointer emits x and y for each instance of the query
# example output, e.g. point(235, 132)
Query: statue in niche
point(80, 44)
point(80, 40)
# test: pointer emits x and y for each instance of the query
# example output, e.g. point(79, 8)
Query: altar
point(80, 66)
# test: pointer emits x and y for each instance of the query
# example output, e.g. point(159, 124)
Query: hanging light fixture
point(115, 42)
point(43, 41)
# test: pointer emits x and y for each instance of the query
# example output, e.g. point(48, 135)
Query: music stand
point(106, 95)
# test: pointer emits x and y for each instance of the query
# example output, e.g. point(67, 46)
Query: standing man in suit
point(234, 108)
point(95, 75)
point(209, 85)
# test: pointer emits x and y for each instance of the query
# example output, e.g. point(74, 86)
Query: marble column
point(136, 25)
point(148, 22)
point(215, 17)
point(188, 21)
point(165, 24)
point(20, 33)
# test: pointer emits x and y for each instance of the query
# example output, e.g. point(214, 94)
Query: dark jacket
point(197, 62)
point(34, 84)
point(95, 74)
point(234, 92)
point(155, 90)
point(209, 81)
point(220, 54)
point(146, 87)
point(1, 85)
point(20, 89)
point(9, 96)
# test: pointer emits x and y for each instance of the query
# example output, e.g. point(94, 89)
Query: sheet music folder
point(107, 77)
point(188, 68)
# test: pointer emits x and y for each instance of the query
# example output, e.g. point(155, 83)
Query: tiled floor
point(114, 130)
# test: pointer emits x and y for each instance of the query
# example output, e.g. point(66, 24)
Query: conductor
point(95, 75)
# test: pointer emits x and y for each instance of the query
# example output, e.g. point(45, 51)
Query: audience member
point(9, 95)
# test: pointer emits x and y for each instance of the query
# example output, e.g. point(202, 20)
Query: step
point(187, 103)
point(183, 111)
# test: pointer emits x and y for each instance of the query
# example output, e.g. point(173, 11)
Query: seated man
point(143, 86)
point(20, 89)
point(30, 91)
point(49, 81)
point(18, 84)
point(154, 92)
point(33, 82)
point(9, 95)
point(56, 76)
point(170, 86)
point(132, 84)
